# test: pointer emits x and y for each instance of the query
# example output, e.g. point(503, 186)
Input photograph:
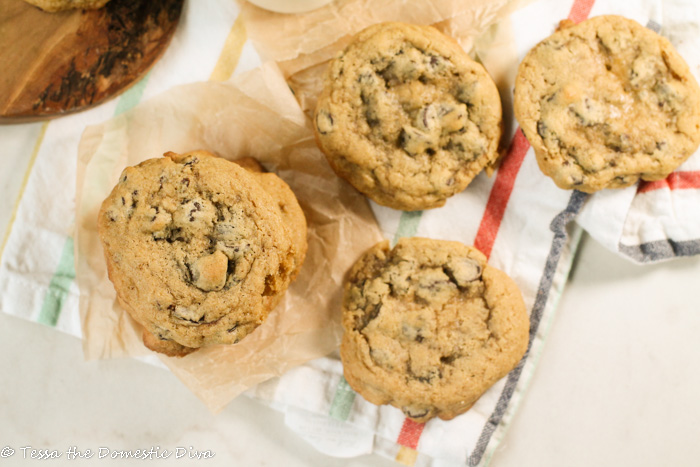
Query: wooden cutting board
point(56, 63)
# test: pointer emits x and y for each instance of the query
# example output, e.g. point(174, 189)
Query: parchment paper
point(255, 115)
point(303, 44)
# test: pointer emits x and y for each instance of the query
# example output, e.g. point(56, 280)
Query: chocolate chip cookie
point(289, 210)
point(198, 250)
point(605, 103)
point(407, 117)
point(429, 327)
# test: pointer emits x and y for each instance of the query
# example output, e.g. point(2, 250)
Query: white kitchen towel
point(518, 218)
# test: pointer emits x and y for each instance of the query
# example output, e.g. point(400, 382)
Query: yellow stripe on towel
point(35, 151)
point(231, 53)
point(406, 456)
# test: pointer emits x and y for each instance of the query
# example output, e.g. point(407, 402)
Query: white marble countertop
point(617, 382)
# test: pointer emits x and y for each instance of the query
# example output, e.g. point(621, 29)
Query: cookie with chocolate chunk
point(198, 250)
point(605, 103)
point(407, 117)
point(289, 210)
point(429, 327)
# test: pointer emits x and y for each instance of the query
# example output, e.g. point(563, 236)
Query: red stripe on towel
point(410, 433)
point(675, 181)
point(500, 193)
point(580, 10)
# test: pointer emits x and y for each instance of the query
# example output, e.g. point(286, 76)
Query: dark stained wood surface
point(56, 63)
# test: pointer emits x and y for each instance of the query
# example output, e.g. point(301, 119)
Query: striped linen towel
point(518, 218)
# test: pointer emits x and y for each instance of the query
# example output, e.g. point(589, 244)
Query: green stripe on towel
point(131, 96)
point(342, 401)
point(65, 272)
point(408, 225)
point(59, 286)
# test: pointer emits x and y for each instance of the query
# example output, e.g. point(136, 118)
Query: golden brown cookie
point(292, 217)
point(61, 5)
point(165, 346)
point(605, 103)
point(197, 249)
point(407, 117)
point(429, 327)
point(289, 210)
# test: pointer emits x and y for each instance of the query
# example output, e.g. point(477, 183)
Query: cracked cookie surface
point(197, 249)
point(429, 327)
point(407, 117)
point(605, 103)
